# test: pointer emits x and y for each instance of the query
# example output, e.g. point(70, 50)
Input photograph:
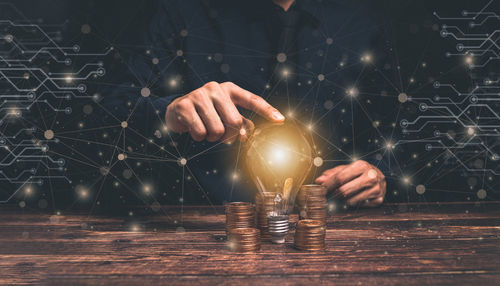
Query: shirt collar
point(309, 9)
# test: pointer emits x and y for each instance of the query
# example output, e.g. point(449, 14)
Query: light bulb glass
point(278, 158)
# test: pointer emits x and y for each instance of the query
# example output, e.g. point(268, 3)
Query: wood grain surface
point(400, 244)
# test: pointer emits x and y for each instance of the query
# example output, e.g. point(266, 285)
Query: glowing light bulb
point(278, 159)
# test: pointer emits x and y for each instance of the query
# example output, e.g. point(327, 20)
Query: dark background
point(411, 31)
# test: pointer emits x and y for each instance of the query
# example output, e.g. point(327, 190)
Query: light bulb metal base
point(278, 227)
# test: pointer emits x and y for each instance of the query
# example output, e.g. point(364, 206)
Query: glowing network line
point(24, 145)
point(466, 124)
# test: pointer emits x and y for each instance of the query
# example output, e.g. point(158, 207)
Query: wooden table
point(410, 244)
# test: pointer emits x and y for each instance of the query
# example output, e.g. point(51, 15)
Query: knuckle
point(218, 131)
point(372, 180)
point(377, 201)
point(362, 164)
point(233, 120)
point(170, 109)
point(219, 128)
point(225, 137)
point(327, 172)
point(227, 84)
point(197, 129)
point(333, 171)
point(199, 135)
point(182, 104)
point(328, 183)
point(236, 121)
point(377, 191)
point(340, 178)
point(211, 84)
point(197, 94)
point(259, 101)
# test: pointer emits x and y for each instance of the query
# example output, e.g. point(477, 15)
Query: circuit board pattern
point(464, 123)
point(37, 76)
point(41, 79)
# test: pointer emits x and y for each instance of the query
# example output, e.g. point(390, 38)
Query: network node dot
point(420, 189)
point(328, 105)
point(318, 161)
point(352, 91)
point(281, 57)
point(224, 68)
point(48, 134)
point(403, 97)
point(86, 29)
point(145, 92)
point(481, 194)
point(372, 174)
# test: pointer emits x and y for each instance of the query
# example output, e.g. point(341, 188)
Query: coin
point(240, 215)
point(244, 239)
point(311, 201)
point(310, 235)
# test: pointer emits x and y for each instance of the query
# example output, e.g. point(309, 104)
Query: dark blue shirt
point(330, 88)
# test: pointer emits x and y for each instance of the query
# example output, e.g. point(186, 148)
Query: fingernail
point(278, 116)
point(320, 179)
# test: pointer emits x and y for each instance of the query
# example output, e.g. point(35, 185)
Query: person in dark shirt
point(210, 65)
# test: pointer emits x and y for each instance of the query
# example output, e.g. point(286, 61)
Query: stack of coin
point(244, 239)
point(311, 202)
point(264, 204)
point(239, 215)
point(310, 235)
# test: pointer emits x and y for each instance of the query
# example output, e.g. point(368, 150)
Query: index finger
point(255, 103)
point(329, 173)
